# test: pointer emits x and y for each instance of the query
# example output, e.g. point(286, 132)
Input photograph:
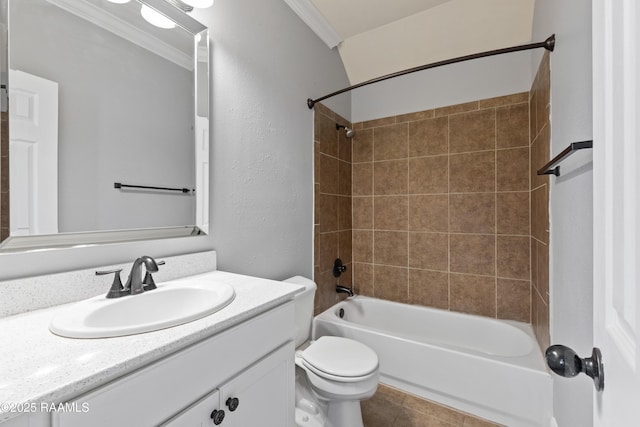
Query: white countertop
point(38, 366)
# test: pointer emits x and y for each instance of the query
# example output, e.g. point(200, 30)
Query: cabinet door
point(199, 414)
point(264, 392)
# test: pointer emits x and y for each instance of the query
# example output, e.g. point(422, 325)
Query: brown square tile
point(345, 247)
point(455, 109)
point(429, 251)
point(316, 204)
point(514, 300)
point(326, 295)
point(429, 288)
point(540, 313)
point(473, 294)
point(428, 175)
point(429, 213)
point(328, 248)
point(474, 131)
point(533, 124)
point(363, 279)
point(363, 213)
point(513, 257)
point(316, 246)
point(513, 213)
point(412, 117)
point(345, 279)
point(543, 271)
point(390, 248)
point(344, 213)
point(379, 122)
point(328, 169)
point(502, 101)
point(540, 214)
point(391, 283)
point(344, 178)
point(391, 142)
point(345, 145)
point(542, 100)
point(472, 172)
point(326, 134)
point(472, 253)
point(429, 137)
point(534, 262)
point(362, 247)
point(362, 179)
point(390, 177)
point(391, 212)
point(540, 155)
point(316, 162)
point(328, 212)
point(512, 126)
point(363, 146)
point(472, 213)
point(512, 169)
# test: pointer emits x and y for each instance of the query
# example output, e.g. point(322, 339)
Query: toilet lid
point(341, 357)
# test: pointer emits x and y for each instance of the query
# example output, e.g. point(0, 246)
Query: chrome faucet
point(345, 290)
point(134, 283)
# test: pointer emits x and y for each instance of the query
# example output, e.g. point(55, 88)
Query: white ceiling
point(378, 37)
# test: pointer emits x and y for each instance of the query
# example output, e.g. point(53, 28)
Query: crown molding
point(307, 11)
point(125, 30)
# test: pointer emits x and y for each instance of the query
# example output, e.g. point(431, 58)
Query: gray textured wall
point(265, 64)
point(571, 196)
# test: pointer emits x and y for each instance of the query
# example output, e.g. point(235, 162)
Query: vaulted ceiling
point(378, 37)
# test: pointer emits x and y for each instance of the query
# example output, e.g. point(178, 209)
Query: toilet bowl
point(332, 373)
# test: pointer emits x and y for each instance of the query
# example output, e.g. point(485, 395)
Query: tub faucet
point(134, 283)
point(344, 289)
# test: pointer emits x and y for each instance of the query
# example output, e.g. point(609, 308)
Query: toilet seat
point(340, 359)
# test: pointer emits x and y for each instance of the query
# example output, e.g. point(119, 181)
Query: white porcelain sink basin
point(171, 304)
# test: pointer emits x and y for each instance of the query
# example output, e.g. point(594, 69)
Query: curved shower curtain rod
point(548, 44)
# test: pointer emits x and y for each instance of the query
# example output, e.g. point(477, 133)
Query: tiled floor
point(393, 408)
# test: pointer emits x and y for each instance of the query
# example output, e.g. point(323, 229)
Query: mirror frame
point(16, 244)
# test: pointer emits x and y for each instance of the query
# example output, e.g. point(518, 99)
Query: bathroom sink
point(171, 304)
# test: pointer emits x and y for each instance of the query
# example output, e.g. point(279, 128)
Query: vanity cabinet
point(256, 397)
point(251, 362)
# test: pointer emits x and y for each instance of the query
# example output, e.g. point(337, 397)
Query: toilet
point(333, 374)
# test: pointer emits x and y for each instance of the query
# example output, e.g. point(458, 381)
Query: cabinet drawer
point(155, 393)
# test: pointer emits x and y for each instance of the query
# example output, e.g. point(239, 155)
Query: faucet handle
point(148, 284)
point(116, 289)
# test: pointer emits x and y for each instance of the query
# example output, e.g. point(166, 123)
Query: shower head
point(349, 132)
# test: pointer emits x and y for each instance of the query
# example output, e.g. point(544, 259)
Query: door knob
point(565, 362)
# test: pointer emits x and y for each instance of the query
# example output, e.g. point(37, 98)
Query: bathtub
point(486, 367)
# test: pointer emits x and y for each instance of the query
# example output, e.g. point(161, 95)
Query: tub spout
point(344, 289)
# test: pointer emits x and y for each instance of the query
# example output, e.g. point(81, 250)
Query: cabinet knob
point(233, 403)
point(217, 416)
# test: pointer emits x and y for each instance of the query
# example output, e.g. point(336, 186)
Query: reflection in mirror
point(99, 96)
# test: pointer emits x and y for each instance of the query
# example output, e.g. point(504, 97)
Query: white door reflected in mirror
point(33, 159)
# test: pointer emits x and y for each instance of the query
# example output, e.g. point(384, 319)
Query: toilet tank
point(303, 301)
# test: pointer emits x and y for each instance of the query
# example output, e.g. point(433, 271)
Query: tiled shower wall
point(540, 142)
point(332, 224)
point(4, 175)
point(441, 208)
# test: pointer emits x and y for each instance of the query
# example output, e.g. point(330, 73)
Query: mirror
point(108, 124)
